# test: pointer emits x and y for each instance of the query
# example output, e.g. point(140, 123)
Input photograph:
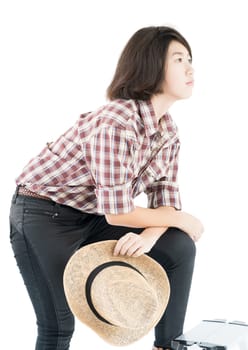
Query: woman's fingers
point(127, 244)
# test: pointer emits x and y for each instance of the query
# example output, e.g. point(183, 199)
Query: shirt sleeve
point(109, 157)
point(165, 190)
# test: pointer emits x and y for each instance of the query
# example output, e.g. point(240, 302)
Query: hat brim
point(76, 273)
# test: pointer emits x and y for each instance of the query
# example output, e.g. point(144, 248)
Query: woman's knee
point(183, 246)
point(186, 244)
point(176, 246)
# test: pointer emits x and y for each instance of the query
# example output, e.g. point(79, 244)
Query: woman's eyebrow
point(177, 53)
point(180, 53)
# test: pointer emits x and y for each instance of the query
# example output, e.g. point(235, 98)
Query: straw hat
point(120, 298)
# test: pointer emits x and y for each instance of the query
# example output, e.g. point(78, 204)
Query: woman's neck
point(161, 105)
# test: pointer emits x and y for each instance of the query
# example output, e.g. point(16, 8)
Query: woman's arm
point(159, 217)
point(142, 217)
point(134, 245)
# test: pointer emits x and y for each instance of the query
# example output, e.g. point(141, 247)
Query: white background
point(58, 57)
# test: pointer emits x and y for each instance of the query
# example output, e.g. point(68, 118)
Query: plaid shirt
point(107, 158)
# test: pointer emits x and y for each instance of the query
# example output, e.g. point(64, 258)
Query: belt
point(23, 191)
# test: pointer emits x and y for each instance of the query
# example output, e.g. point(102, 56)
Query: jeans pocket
point(42, 212)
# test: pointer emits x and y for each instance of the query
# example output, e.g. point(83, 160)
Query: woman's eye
point(180, 60)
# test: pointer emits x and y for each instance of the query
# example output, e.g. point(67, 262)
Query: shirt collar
point(166, 125)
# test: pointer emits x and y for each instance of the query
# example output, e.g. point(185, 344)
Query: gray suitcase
point(214, 335)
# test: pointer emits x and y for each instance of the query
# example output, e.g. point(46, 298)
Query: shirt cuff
point(164, 194)
point(114, 200)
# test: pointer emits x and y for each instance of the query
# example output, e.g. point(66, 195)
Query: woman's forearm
point(159, 217)
point(144, 217)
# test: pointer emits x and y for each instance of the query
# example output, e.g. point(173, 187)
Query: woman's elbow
point(126, 219)
point(118, 219)
point(111, 219)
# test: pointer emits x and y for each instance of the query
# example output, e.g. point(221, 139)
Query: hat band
point(91, 278)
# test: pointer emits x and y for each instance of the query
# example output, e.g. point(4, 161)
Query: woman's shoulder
point(119, 115)
point(118, 112)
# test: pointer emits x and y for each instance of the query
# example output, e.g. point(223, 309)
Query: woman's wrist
point(153, 233)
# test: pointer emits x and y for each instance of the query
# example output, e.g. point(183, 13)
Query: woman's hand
point(190, 225)
point(132, 244)
point(184, 221)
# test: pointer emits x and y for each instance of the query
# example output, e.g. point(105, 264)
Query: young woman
point(81, 188)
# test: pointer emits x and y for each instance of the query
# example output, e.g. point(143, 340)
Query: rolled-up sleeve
point(110, 161)
point(164, 193)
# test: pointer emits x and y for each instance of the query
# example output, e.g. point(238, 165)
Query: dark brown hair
point(140, 70)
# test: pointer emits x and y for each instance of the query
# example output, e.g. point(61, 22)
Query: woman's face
point(179, 79)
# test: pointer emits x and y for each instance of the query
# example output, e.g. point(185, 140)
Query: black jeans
point(44, 235)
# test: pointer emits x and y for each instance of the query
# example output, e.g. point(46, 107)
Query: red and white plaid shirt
point(109, 157)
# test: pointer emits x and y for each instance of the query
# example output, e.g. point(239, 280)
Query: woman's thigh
point(174, 247)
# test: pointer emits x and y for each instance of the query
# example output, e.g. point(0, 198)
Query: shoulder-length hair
point(140, 70)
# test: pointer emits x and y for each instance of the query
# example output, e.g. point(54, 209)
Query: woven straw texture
point(130, 301)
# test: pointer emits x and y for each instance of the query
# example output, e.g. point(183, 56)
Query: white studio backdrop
point(56, 60)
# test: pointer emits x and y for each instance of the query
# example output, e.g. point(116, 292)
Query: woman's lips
point(190, 83)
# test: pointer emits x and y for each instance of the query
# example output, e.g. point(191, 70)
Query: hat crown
point(122, 296)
